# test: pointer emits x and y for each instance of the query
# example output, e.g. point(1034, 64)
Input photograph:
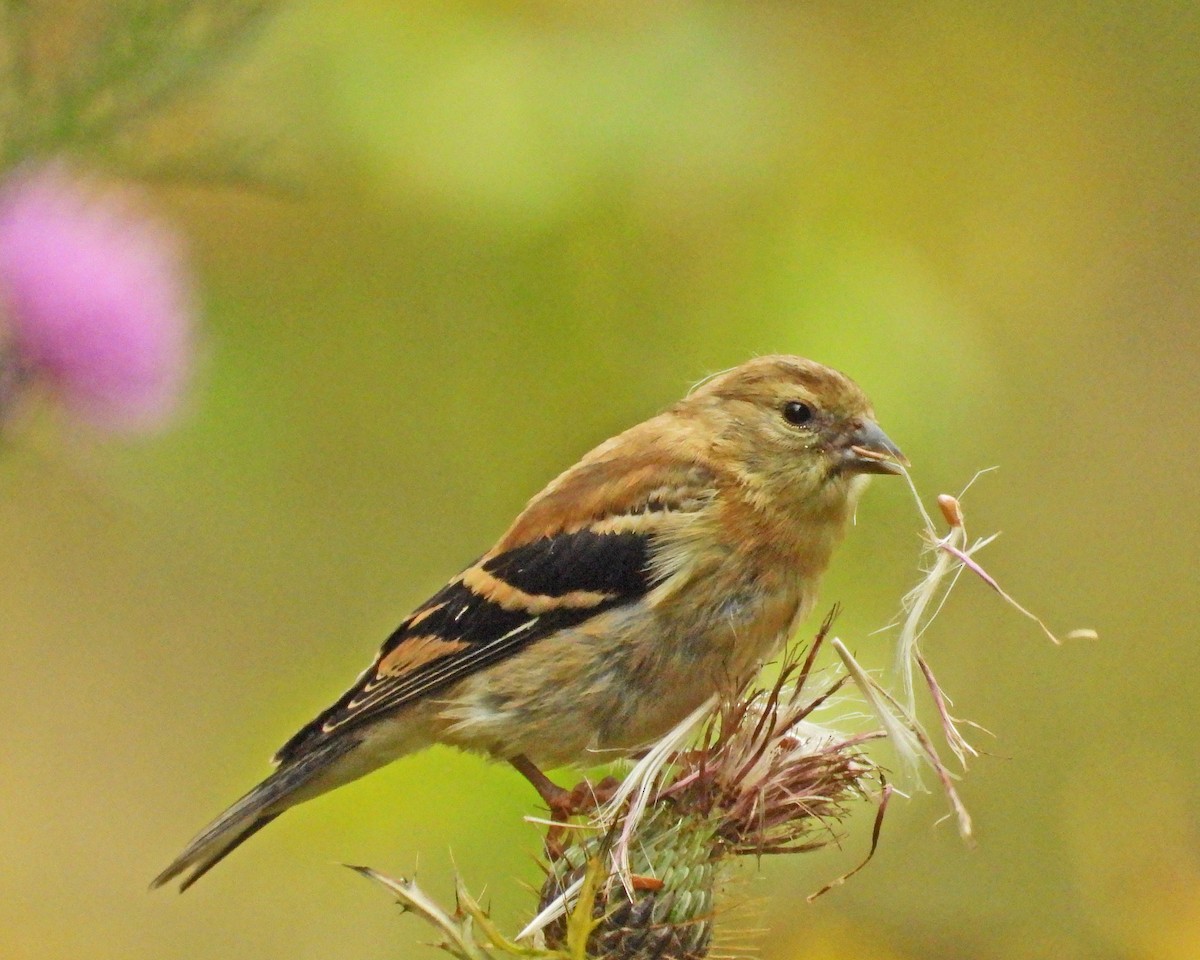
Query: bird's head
point(797, 431)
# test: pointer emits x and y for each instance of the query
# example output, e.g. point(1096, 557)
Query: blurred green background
point(527, 226)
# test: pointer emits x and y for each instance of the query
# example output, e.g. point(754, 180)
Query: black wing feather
point(482, 631)
point(583, 560)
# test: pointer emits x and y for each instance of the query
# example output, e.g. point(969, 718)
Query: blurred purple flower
point(96, 298)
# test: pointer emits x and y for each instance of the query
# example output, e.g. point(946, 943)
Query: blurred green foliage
point(526, 226)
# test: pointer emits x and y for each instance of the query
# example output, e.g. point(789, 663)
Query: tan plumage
point(667, 564)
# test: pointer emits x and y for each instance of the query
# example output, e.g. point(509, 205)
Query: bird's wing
point(570, 556)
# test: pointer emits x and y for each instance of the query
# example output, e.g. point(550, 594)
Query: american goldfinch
point(666, 565)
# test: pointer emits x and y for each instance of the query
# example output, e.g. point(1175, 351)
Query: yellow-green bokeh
point(526, 226)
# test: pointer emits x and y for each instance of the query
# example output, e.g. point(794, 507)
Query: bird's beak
point(868, 450)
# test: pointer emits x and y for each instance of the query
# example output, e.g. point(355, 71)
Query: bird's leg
point(563, 803)
point(560, 801)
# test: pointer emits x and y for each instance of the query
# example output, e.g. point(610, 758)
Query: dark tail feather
point(250, 814)
point(231, 844)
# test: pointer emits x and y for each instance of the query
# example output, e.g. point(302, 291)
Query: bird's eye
point(797, 413)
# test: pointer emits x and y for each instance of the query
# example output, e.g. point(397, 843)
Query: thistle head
point(95, 302)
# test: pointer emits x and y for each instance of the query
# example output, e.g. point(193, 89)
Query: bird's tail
point(253, 812)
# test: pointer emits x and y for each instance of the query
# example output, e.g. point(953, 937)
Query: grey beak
point(868, 450)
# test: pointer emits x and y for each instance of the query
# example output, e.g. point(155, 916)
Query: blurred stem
point(144, 56)
point(16, 73)
point(236, 165)
point(17, 380)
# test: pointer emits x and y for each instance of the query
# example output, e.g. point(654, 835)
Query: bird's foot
point(582, 799)
point(587, 797)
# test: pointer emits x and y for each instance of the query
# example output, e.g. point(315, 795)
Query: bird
point(667, 565)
